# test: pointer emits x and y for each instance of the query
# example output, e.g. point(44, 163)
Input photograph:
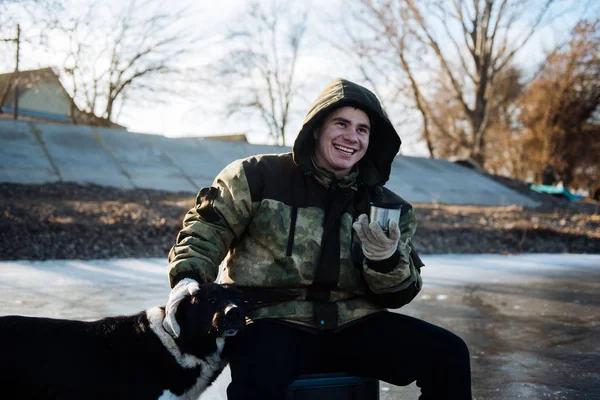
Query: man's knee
point(263, 365)
point(257, 383)
point(455, 349)
point(253, 390)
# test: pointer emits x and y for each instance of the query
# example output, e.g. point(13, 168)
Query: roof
point(238, 137)
point(29, 77)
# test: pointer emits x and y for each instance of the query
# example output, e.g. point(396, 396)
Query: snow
point(91, 289)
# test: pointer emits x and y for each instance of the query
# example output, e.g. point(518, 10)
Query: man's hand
point(183, 288)
point(375, 244)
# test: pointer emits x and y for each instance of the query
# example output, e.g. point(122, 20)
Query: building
point(236, 137)
point(43, 98)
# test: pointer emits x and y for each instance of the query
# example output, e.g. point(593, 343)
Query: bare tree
point(503, 147)
point(36, 18)
point(459, 46)
point(116, 53)
point(259, 69)
point(560, 109)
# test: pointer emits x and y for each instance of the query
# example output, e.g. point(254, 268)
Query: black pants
point(267, 356)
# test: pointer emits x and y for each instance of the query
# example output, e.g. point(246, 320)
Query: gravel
point(74, 221)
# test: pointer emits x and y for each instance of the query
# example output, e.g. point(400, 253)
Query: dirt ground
point(73, 221)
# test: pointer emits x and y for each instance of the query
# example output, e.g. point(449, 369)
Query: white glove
point(185, 287)
point(376, 245)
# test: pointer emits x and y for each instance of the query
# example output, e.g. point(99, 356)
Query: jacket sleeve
point(395, 282)
point(220, 216)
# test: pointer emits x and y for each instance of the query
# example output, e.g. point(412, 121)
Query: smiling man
point(293, 234)
point(342, 140)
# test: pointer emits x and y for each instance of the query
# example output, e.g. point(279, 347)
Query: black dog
point(124, 357)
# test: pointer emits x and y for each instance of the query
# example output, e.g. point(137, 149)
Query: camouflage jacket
point(282, 230)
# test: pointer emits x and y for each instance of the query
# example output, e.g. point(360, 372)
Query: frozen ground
point(531, 321)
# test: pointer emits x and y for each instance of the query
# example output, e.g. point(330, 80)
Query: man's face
point(342, 140)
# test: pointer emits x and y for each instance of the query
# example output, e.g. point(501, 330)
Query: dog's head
point(212, 310)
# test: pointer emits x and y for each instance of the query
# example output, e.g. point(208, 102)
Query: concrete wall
point(37, 153)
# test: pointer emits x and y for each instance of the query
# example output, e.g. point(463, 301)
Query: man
point(316, 275)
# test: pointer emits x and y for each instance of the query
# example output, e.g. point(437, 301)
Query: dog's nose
point(233, 313)
point(233, 320)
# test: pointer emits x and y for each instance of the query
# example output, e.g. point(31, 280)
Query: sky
point(199, 114)
point(202, 116)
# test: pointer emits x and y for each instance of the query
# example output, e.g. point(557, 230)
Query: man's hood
point(384, 142)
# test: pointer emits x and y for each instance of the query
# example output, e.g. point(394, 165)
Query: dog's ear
point(184, 288)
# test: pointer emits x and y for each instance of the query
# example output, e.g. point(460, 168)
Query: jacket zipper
point(290, 244)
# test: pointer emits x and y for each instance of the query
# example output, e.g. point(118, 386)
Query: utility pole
point(17, 40)
point(16, 98)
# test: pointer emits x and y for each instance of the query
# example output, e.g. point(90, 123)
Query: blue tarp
point(555, 190)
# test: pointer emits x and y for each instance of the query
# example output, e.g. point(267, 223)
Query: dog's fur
point(124, 357)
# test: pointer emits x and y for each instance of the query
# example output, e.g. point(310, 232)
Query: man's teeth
point(344, 149)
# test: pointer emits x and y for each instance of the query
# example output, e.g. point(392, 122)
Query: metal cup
point(383, 216)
